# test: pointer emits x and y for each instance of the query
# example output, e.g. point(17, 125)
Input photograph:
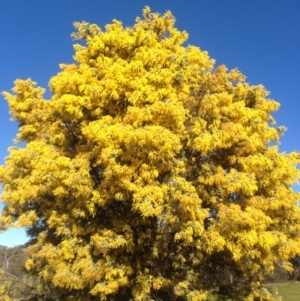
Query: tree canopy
point(150, 174)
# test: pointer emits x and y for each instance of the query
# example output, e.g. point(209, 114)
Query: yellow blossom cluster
point(150, 174)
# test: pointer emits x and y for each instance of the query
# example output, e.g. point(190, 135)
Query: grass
point(289, 291)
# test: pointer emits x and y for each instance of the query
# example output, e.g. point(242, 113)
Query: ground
point(289, 291)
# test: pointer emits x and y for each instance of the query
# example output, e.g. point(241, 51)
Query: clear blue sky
point(260, 37)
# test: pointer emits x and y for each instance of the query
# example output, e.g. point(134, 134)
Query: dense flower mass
point(150, 174)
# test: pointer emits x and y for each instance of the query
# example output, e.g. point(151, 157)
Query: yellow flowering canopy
point(150, 174)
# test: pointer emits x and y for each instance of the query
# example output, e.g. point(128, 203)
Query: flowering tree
point(150, 174)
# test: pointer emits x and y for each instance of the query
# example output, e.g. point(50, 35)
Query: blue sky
point(260, 37)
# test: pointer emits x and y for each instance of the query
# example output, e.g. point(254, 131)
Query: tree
point(150, 174)
point(13, 280)
point(295, 274)
point(12, 259)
